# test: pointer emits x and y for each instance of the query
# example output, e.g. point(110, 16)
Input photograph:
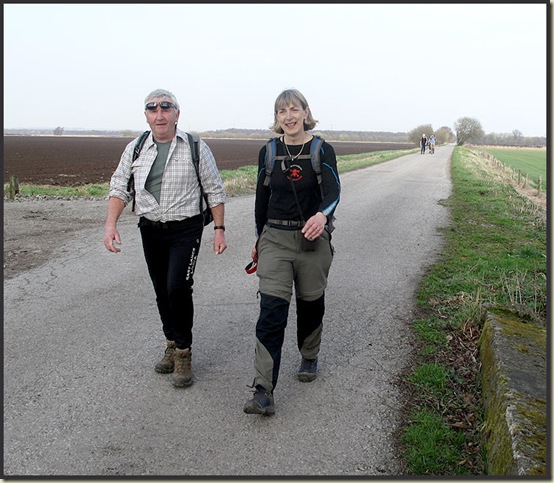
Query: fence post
point(539, 183)
point(519, 176)
point(14, 186)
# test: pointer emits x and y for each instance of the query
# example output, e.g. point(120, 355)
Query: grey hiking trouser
point(282, 264)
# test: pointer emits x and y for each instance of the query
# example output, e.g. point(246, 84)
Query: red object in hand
point(251, 267)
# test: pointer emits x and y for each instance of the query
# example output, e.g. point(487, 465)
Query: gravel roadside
point(35, 227)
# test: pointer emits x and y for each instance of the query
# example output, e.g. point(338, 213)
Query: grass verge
point(85, 191)
point(495, 252)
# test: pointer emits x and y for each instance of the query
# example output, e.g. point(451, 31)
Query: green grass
point(432, 446)
point(495, 253)
point(357, 161)
point(240, 181)
point(84, 191)
point(531, 162)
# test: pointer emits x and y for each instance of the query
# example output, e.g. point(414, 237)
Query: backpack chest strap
point(302, 156)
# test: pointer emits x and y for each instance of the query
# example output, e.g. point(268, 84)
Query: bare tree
point(468, 129)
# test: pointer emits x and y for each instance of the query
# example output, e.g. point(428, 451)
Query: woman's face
point(291, 118)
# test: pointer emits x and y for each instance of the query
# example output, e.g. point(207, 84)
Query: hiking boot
point(182, 372)
point(308, 370)
point(261, 403)
point(165, 366)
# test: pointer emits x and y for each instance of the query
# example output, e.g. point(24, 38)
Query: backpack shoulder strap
point(316, 152)
point(136, 154)
point(270, 149)
point(139, 144)
point(317, 149)
point(194, 140)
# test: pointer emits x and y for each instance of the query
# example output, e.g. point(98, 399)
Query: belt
point(168, 224)
point(289, 223)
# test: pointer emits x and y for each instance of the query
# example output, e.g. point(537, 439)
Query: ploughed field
point(73, 161)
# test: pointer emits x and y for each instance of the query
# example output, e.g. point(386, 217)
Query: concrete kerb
point(514, 374)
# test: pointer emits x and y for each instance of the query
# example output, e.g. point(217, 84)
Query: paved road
point(81, 337)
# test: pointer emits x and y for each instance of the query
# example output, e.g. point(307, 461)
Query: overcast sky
point(362, 67)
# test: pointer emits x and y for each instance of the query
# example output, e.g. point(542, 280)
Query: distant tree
point(518, 137)
point(415, 134)
point(468, 129)
point(58, 131)
point(444, 135)
point(492, 139)
point(515, 138)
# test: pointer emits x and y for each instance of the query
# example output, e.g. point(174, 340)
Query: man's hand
point(219, 242)
point(111, 235)
point(111, 238)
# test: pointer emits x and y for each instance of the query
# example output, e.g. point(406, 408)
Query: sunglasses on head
point(165, 105)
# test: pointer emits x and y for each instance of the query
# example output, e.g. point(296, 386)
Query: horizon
point(248, 129)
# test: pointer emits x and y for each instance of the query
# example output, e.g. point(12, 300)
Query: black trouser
point(171, 251)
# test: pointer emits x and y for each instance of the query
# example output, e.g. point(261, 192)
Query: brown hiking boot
point(165, 366)
point(182, 372)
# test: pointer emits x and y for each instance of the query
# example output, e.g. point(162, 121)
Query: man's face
point(162, 116)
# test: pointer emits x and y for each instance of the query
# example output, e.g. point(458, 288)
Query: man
point(422, 143)
point(168, 200)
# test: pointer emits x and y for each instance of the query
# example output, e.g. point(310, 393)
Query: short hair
point(292, 96)
point(162, 93)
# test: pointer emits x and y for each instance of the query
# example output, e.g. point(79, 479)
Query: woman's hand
point(254, 252)
point(314, 226)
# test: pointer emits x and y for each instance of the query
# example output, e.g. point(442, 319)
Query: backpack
point(314, 156)
point(193, 143)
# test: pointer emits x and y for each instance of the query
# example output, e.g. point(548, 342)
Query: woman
point(293, 222)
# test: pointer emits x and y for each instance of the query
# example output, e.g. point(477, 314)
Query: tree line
point(466, 130)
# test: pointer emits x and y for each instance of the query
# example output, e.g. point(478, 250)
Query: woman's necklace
point(292, 158)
